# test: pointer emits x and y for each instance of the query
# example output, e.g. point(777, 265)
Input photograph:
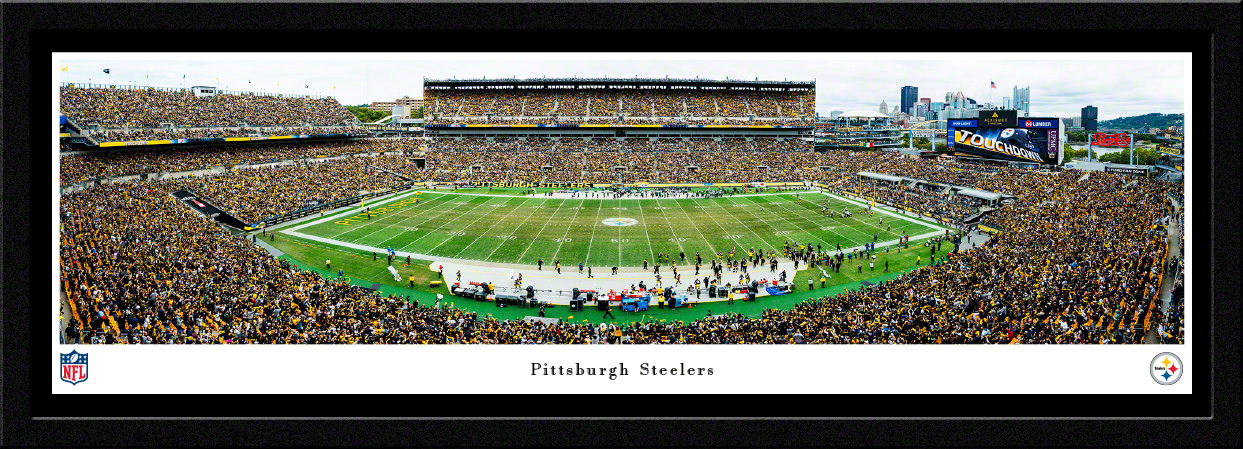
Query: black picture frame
point(32, 31)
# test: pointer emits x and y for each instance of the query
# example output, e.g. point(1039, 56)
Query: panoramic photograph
point(594, 201)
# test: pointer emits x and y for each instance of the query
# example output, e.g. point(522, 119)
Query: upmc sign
point(1111, 140)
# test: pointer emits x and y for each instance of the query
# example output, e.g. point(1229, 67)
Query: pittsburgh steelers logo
point(1166, 368)
point(620, 221)
point(1007, 133)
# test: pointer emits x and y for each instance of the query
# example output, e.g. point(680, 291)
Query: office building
point(834, 114)
point(413, 103)
point(921, 111)
point(1021, 101)
point(910, 94)
point(1088, 117)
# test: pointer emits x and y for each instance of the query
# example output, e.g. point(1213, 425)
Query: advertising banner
point(1111, 140)
point(1038, 123)
point(1000, 119)
point(1012, 144)
point(1126, 170)
point(1170, 150)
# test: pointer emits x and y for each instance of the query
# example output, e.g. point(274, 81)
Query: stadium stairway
point(75, 133)
point(977, 218)
point(381, 121)
point(399, 175)
point(73, 127)
point(1173, 247)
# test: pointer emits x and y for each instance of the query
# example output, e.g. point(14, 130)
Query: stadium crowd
point(103, 164)
point(141, 268)
point(607, 160)
point(953, 207)
point(450, 106)
point(568, 120)
point(254, 194)
point(1076, 260)
point(146, 108)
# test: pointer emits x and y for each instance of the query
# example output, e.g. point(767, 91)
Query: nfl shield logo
point(73, 367)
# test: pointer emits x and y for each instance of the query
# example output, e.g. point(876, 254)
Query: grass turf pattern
point(522, 230)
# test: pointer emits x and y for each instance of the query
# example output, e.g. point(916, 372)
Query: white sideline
point(476, 263)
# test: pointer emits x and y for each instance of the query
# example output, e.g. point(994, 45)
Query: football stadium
point(596, 211)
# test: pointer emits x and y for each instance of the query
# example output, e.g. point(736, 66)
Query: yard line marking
point(813, 223)
point(425, 220)
point(748, 228)
point(594, 224)
point(349, 210)
point(675, 233)
point(757, 217)
point(903, 217)
point(905, 228)
point(567, 228)
point(401, 221)
point(645, 234)
point(692, 222)
point(463, 230)
point(378, 219)
point(516, 228)
point(619, 244)
point(485, 233)
point(541, 231)
point(719, 225)
point(433, 231)
point(860, 221)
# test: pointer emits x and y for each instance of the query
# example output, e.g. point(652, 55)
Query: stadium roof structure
point(861, 113)
point(882, 177)
point(577, 82)
point(990, 196)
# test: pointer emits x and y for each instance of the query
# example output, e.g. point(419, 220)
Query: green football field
point(596, 232)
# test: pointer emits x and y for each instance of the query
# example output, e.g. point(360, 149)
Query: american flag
point(994, 85)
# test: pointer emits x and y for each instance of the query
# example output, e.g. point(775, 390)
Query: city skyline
point(1059, 88)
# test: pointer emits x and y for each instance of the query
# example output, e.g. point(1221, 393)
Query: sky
point(1118, 88)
